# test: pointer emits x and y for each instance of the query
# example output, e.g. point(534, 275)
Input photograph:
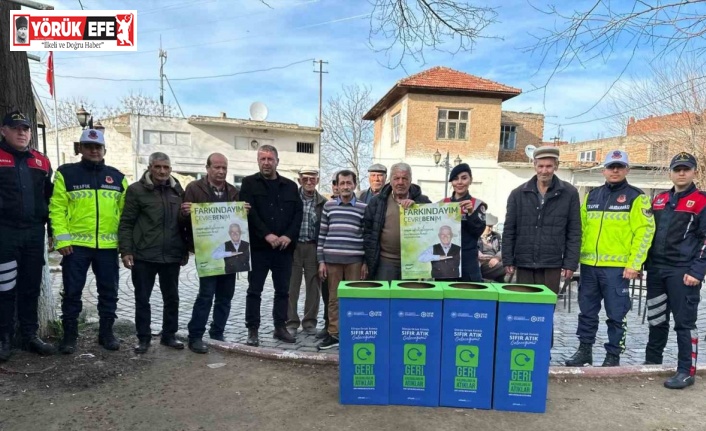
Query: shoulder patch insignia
point(647, 212)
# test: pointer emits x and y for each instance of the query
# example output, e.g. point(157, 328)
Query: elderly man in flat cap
point(542, 233)
point(304, 260)
point(377, 176)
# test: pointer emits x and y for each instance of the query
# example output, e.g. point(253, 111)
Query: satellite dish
point(258, 111)
point(529, 151)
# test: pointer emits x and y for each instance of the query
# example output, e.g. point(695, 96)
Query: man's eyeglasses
point(614, 166)
point(309, 179)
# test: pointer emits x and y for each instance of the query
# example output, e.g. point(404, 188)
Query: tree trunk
point(16, 85)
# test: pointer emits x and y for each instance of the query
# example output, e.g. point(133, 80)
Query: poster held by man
point(221, 239)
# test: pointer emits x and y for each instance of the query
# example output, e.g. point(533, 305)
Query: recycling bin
point(522, 347)
point(364, 342)
point(468, 345)
point(415, 342)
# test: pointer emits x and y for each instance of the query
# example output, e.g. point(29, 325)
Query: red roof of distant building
point(443, 80)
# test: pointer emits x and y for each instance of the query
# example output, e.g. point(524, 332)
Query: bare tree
point(139, 103)
point(66, 111)
point(673, 100)
point(347, 140)
point(583, 36)
point(406, 28)
point(16, 85)
point(132, 103)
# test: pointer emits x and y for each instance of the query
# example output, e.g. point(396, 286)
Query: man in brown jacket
point(212, 188)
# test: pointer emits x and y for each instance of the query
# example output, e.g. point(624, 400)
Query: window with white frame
point(587, 156)
point(508, 137)
point(452, 124)
point(396, 128)
point(171, 139)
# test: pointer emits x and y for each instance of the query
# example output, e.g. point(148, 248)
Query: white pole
point(56, 116)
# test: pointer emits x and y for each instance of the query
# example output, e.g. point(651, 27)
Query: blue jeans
point(222, 287)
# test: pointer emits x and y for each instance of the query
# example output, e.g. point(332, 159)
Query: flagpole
point(56, 113)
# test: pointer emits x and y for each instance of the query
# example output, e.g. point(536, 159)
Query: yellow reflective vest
point(618, 226)
point(86, 205)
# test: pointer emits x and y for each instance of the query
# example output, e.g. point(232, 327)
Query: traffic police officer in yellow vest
point(617, 233)
point(85, 213)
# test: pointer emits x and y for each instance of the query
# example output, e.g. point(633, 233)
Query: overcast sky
point(277, 45)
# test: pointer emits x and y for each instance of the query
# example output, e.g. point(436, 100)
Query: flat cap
point(490, 220)
point(377, 167)
point(308, 171)
point(545, 152)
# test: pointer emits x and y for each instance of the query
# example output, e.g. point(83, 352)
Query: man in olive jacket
point(151, 244)
point(381, 223)
point(542, 233)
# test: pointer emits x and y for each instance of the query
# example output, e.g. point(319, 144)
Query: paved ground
point(564, 329)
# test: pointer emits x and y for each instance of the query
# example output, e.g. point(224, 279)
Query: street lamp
point(84, 118)
point(447, 165)
point(98, 126)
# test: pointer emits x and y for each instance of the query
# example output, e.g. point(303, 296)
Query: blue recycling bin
point(468, 345)
point(415, 342)
point(364, 342)
point(523, 345)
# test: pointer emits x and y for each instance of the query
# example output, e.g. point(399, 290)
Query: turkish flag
point(50, 72)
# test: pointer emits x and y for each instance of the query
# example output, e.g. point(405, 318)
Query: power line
point(210, 22)
point(175, 98)
point(641, 106)
point(197, 45)
point(191, 78)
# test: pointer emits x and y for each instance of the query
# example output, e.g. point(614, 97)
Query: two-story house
point(445, 110)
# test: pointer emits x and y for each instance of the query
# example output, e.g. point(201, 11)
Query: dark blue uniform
point(25, 189)
point(472, 226)
point(679, 248)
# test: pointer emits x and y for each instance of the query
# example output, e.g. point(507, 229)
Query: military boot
point(611, 360)
point(106, 338)
point(68, 343)
point(582, 357)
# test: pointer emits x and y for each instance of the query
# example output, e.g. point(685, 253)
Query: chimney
point(223, 115)
point(632, 120)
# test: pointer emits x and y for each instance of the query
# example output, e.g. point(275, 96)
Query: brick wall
point(529, 129)
point(483, 127)
point(638, 151)
point(660, 123)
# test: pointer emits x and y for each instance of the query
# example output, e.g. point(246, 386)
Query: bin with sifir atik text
point(364, 342)
point(468, 345)
point(522, 347)
point(415, 342)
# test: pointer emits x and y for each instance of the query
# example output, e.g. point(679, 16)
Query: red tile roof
point(449, 79)
point(443, 80)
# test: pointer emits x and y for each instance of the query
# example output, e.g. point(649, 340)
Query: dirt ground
point(177, 390)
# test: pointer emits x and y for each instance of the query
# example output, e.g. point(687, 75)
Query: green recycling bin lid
point(401, 289)
point(526, 293)
point(468, 290)
point(364, 289)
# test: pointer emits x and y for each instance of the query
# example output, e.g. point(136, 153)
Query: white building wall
point(130, 139)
